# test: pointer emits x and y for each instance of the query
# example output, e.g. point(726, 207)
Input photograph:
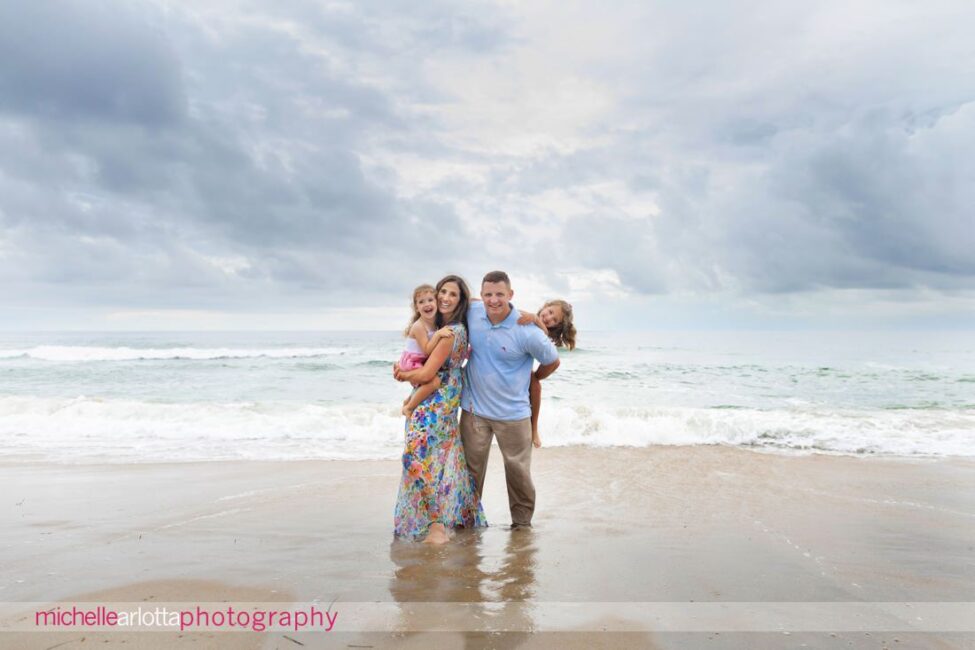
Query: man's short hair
point(497, 276)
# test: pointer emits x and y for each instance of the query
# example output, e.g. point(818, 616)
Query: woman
point(436, 491)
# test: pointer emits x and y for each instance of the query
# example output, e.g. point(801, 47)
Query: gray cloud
point(155, 155)
point(88, 60)
point(136, 180)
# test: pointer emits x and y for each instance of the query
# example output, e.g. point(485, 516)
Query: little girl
point(555, 317)
point(421, 339)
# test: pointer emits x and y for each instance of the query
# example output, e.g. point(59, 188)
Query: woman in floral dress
point(437, 491)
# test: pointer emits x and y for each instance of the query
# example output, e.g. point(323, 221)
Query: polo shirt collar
point(511, 320)
point(508, 322)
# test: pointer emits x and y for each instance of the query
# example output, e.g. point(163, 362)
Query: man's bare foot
point(437, 535)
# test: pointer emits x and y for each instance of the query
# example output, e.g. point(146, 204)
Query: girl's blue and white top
point(497, 375)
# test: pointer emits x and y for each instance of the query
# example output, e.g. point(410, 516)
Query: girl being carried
point(421, 338)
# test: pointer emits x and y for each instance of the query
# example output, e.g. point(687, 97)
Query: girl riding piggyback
point(555, 318)
point(421, 338)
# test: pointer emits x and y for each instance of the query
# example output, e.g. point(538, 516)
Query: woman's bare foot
point(437, 535)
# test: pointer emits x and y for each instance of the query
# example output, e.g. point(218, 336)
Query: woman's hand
point(402, 375)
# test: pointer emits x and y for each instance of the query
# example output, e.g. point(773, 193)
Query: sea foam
point(130, 430)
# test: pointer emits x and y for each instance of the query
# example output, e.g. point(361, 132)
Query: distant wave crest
point(91, 353)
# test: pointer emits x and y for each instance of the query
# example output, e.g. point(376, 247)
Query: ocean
point(205, 396)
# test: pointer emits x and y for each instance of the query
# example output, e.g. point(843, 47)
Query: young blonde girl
point(555, 317)
point(421, 338)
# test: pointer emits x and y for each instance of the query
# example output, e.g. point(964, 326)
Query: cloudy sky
point(303, 164)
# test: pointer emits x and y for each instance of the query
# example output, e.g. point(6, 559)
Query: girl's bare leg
point(535, 399)
point(422, 392)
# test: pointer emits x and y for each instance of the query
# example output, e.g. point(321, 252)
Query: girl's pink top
point(411, 360)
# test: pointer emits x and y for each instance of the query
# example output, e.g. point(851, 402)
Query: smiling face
point(448, 297)
point(551, 315)
point(496, 296)
point(426, 306)
point(453, 300)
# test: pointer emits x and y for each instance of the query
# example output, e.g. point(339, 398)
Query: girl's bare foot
point(437, 535)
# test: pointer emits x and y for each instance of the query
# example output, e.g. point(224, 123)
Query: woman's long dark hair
point(460, 312)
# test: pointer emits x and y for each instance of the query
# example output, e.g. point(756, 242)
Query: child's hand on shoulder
point(528, 318)
point(445, 332)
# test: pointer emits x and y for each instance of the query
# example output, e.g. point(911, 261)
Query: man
point(495, 397)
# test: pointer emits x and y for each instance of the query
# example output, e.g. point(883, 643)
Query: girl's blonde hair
point(563, 334)
point(419, 291)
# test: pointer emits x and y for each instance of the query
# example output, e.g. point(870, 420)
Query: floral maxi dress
point(436, 486)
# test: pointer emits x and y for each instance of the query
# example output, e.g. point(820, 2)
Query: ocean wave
point(376, 363)
point(142, 431)
point(93, 353)
point(907, 432)
point(133, 430)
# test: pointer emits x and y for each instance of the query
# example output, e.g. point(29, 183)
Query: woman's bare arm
point(443, 333)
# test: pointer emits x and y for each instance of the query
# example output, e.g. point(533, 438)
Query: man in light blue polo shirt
point(495, 397)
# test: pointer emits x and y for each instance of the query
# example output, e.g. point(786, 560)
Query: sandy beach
point(630, 548)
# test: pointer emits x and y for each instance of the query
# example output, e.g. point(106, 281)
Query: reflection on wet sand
point(491, 571)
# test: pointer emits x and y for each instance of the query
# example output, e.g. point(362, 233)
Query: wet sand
point(679, 527)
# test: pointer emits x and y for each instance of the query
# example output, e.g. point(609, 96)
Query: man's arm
point(546, 370)
point(543, 351)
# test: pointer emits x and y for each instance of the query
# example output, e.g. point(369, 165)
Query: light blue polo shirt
point(499, 370)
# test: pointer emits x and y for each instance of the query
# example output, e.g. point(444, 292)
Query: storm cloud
point(248, 156)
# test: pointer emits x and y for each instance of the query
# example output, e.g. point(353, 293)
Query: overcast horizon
point(301, 166)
